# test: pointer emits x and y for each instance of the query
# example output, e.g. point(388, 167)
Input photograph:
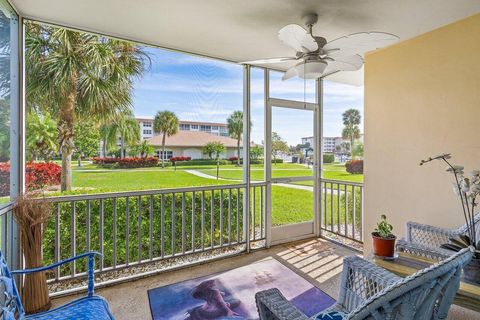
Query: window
point(184, 127)
point(147, 131)
point(9, 155)
point(194, 127)
point(215, 128)
point(147, 124)
point(205, 128)
point(168, 154)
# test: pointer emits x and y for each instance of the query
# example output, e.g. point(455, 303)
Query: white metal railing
point(140, 227)
point(342, 212)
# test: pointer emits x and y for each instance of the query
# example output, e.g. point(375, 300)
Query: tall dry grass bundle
point(31, 214)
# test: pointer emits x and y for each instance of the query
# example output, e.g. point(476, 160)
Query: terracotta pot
point(383, 247)
point(471, 272)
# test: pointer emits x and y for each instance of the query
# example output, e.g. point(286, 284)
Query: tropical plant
point(213, 148)
point(87, 139)
point(41, 136)
point(124, 127)
point(235, 128)
point(357, 151)
point(467, 189)
point(351, 130)
point(166, 124)
point(279, 146)
point(143, 149)
point(384, 229)
point(71, 73)
point(256, 152)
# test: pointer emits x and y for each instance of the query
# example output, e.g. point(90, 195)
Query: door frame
point(298, 231)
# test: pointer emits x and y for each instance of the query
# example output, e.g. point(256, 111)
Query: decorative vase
point(471, 271)
point(383, 247)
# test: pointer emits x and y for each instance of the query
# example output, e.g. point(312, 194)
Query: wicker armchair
point(370, 292)
point(425, 240)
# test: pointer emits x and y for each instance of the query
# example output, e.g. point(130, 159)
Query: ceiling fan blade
point(290, 73)
point(297, 38)
point(346, 63)
point(271, 60)
point(359, 43)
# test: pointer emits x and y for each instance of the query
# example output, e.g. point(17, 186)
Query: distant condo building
point(330, 144)
point(215, 128)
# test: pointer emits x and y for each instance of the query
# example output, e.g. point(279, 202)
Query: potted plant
point(467, 189)
point(383, 239)
point(31, 214)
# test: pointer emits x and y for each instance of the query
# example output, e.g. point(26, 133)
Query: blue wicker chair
point(425, 240)
point(89, 307)
point(370, 292)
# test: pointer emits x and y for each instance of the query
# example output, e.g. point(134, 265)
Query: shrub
point(233, 159)
point(178, 159)
point(138, 162)
point(277, 160)
point(328, 158)
point(37, 176)
point(354, 166)
point(133, 162)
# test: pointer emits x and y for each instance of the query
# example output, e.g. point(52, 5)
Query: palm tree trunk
point(122, 147)
point(351, 145)
point(65, 135)
point(163, 151)
point(104, 148)
point(238, 152)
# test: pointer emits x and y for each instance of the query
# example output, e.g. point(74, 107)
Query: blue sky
point(201, 89)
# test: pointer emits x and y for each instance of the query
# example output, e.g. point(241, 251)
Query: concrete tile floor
point(318, 261)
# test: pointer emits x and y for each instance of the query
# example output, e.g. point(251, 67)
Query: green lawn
point(137, 179)
point(331, 171)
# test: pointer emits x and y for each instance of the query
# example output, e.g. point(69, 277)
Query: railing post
point(267, 156)
point(318, 157)
point(246, 155)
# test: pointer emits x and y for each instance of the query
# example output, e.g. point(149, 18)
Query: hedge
point(354, 166)
point(328, 158)
point(133, 223)
point(130, 162)
point(200, 162)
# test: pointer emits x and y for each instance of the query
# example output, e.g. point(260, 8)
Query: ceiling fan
point(317, 58)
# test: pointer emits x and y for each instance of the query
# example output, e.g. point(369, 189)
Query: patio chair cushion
point(87, 308)
point(332, 315)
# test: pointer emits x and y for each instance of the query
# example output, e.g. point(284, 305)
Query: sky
point(202, 89)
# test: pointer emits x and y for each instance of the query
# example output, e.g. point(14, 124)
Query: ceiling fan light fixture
point(311, 69)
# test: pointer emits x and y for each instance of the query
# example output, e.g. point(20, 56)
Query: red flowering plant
point(38, 175)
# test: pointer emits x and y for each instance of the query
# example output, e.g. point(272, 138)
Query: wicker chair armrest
point(362, 279)
point(272, 305)
point(427, 235)
point(423, 251)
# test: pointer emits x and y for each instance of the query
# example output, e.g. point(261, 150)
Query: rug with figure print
point(231, 294)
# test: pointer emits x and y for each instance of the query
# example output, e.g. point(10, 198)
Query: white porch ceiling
point(241, 30)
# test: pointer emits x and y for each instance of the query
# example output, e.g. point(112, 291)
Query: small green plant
point(384, 229)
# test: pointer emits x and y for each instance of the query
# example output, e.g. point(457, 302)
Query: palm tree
point(41, 137)
point(351, 121)
point(126, 128)
point(71, 73)
point(235, 128)
point(166, 124)
point(144, 149)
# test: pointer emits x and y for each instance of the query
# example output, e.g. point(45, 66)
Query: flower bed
point(37, 176)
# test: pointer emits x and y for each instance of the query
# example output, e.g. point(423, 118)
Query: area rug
point(231, 294)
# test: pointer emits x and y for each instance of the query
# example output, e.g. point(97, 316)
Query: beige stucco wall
point(196, 153)
point(422, 97)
